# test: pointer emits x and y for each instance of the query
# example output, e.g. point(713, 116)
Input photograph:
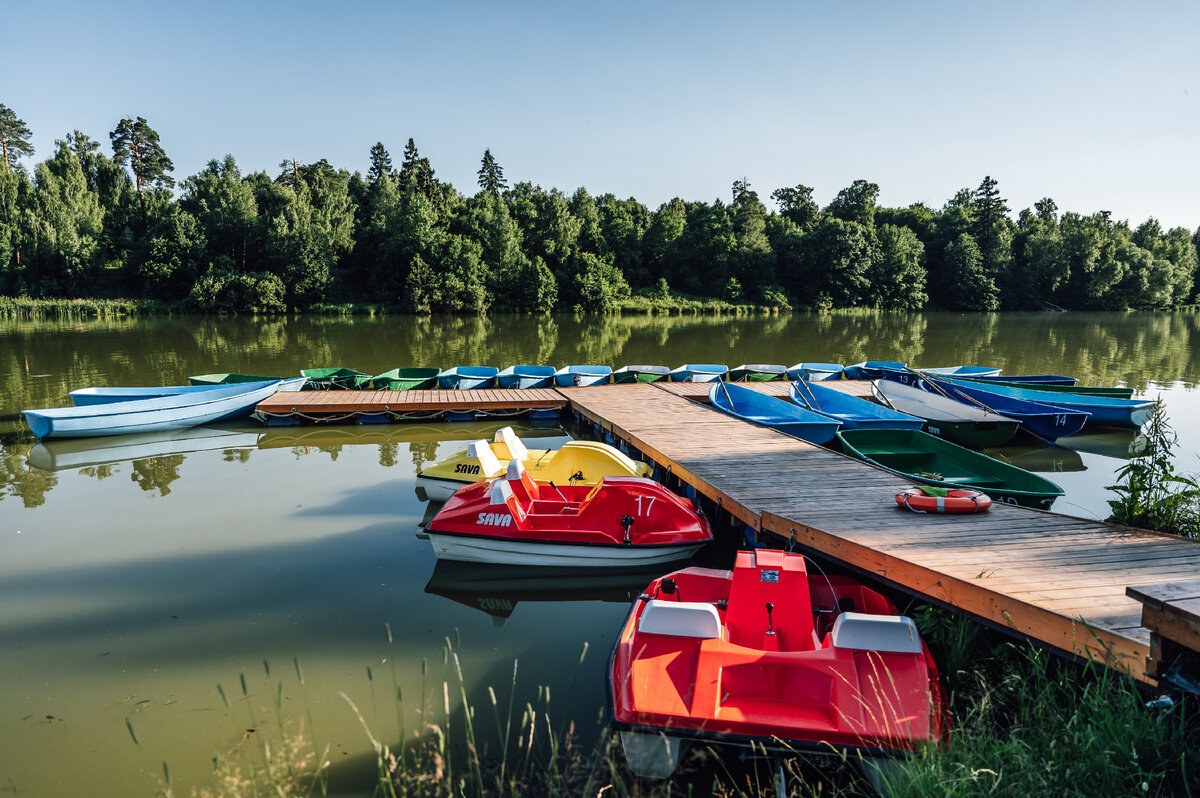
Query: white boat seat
point(516, 448)
point(680, 619)
point(523, 486)
point(862, 632)
point(489, 464)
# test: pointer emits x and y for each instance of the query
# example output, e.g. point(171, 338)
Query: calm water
point(138, 574)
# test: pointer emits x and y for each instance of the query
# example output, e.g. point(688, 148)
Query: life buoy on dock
point(955, 501)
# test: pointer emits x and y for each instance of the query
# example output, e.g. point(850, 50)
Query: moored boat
point(575, 463)
point(161, 412)
point(516, 520)
point(852, 411)
point(766, 656)
point(413, 378)
point(964, 424)
point(466, 378)
point(1104, 410)
point(1046, 421)
point(579, 375)
point(1038, 379)
point(757, 408)
point(333, 378)
point(816, 372)
point(526, 377)
point(226, 378)
point(640, 374)
point(872, 369)
point(929, 460)
point(1113, 391)
point(756, 372)
point(699, 372)
point(968, 372)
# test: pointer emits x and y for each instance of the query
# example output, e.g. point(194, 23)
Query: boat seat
point(680, 619)
point(523, 486)
point(489, 464)
point(502, 494)
point(862, 632)
point(516, 448)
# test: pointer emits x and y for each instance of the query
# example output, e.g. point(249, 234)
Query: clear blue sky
point(1092, 104)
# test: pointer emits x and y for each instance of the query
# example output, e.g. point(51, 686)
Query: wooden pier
point(1054, 579)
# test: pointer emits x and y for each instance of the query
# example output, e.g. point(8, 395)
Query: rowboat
point(515, 520)
point(226, 378)
point(698, 372)
point(333, 378)
point(640, 374)
point(872, 369)
point(964, 424)
point(818, 372)
point(852, 411)
point(582, 375)
point(1104, 410)
point(87, 397)
point(576, 463)
point(929, 460)
point(404, 379)
point(173, 411)
point(770, 658)
point(967, 372)
point(1046, 421)
point(465, 378)
point(1033, 379)
point(767, 411)
point(526, 377)
point(1115, 392)
point(756, 372)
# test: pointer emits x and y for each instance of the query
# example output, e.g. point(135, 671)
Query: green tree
point(666, 226)
point(136, 144)
point(65, 222)
point(974, 288)
point(491, 176)
point(623, 223)
point(835, 263)
point(897, 276)
point(223, 205)
point(752, 263)
point(856, 203)
point(381, 163)
point(797, 204)
point(14, 138)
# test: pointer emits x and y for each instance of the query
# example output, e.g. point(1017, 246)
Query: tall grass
point(30, 308)
point(1150, 493)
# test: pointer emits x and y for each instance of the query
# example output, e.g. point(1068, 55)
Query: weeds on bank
point(1150, 494)
point(30, 308)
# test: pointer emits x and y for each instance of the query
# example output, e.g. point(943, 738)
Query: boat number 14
point(644, 512)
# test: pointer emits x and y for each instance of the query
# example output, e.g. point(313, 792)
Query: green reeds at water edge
point(1150, 493)
point(30, 308)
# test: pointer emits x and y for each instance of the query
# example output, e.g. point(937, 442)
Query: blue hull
point(872, 369)
point(1105, 410)
point(851, 411)
point(526, 377)
point(767, 411)
point(154, 414)
point(816, 372)
point(969, 372)
point(1045, 420)
point(699, 372)
point(468, 378)
point(1043, 379)
point(572, 376)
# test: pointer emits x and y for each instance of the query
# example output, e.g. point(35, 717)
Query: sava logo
point(463, 468)
point(494, 519)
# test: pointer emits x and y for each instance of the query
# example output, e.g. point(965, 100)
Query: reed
point(1150, 493)
point(31, 308)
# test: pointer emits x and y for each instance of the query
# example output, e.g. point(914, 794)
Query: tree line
point(89, 224)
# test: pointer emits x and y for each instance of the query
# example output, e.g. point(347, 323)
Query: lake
point(185, 588)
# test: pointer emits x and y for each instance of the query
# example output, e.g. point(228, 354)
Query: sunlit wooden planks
point(327, 403)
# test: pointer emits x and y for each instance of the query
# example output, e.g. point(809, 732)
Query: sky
point(1095, 105)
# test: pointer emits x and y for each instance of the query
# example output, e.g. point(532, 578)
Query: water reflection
point(1039, 457)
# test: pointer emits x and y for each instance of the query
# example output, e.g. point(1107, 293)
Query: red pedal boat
point(516, 520)
point(769, 656)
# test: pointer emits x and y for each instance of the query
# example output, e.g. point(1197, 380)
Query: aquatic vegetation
point(1151, 494)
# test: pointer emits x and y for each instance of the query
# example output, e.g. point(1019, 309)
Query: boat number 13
point(645, 511)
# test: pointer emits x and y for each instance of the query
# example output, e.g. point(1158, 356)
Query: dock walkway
point(1053, 578)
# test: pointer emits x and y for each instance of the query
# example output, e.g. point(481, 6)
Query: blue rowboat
point(698, 372)
point(750, 405)
point(466, 378)
point(816, 371)
point(967, 372)
point(872, 369)
point(852, 411)
point(87, 397)
point(162, 412)
point(1039, 379)
point(568, 376)
point(1044, 420)
point(526, 377)
point(1105, 410)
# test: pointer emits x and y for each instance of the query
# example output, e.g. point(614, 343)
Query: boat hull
point(816, 372)
point(767, 411)
point(475, 548)
point(872, 369)
point(1104, 410)
point(760, 372)
point(699, 372)
point(580, 376)
point(628, 374)
point(1045, 421)
point(851, 411)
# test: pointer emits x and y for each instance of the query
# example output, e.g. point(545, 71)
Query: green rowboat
point(409, 379)
point(1082, 390)
point(227, 379)
point(928, 460)
point(756, 372)
point(326, 379)
point(640, 374)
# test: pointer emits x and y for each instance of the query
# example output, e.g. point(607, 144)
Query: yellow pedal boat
point(576, 463)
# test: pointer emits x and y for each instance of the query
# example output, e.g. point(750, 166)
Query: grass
point(1150, 494)
point(30, 308)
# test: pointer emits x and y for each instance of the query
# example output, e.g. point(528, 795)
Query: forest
point(85, 223)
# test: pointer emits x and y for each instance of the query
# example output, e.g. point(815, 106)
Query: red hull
point(710, 661)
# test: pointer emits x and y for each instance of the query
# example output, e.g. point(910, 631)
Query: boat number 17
point(645, 511)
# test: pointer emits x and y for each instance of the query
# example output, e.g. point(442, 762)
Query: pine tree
point(416, 172)
point(14, 138)
point(381, 163)
point(136, 143)
point(491, 176)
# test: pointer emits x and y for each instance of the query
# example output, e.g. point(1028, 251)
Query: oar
point(881, 395)
point(803, 389)
point(726, 390)
point(973, 400)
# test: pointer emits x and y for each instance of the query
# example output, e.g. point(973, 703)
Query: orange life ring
point(956, 501)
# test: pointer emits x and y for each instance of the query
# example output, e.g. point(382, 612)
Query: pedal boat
point(766, 656)
point(576, 463)
point(514, 520)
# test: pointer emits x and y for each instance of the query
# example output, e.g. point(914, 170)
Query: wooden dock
point(1054, 579)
